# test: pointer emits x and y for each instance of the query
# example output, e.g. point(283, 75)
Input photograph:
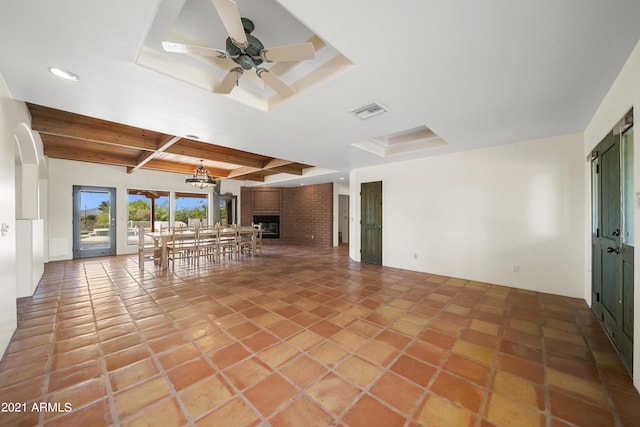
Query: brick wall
point(306, 214)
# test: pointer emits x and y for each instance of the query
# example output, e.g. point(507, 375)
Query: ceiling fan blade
point(230, 16)
point(193, 50)
point(274, 82)
point(229, 81)
point(291, 52)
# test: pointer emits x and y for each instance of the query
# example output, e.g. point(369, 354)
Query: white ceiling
point(477, 73)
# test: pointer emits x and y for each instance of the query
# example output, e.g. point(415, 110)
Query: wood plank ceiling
point(75, 137)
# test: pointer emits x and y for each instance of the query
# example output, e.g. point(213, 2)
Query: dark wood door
point(371, 222)
point(612, 241)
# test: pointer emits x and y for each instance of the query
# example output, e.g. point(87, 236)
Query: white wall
point(64, 174)
point(624, 94)
point(476, 215)
point(12, 113)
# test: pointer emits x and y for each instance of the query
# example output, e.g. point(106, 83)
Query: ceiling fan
point(246, 51)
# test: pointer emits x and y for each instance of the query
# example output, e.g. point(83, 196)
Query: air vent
point(369, 110)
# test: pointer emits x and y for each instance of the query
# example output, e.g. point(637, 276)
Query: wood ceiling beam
point(185, 168)
point(56, 122)
point(84, 145)
point(204, 151)
point(86, 156)
point(165, 142)
point(292, 169)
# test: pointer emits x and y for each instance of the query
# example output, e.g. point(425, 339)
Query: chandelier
point(201, 178)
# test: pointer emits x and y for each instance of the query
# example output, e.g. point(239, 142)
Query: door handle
point(611, 250)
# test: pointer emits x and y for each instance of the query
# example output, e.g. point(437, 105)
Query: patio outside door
point(94, 221)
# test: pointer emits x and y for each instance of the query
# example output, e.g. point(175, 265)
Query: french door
point(371, 222)
point(613, 238)
point(94, 221)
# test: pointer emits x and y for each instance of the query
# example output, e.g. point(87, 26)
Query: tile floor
point(303, 337)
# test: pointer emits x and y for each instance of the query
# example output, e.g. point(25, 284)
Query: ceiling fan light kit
point(246, 50)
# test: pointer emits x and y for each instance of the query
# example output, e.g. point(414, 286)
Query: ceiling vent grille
point(369, 110)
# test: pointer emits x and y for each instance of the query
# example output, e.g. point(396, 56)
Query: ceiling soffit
point(197, 24)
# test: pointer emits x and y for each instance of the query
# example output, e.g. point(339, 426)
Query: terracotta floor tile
point(328, 354)
point(413, 370)
point(304, 340)
point(234, 413)
point(437, 411)
point(436, 338)
point(368, 411)
point(426, 352)
point(303, 371)
point(284, 329)
point(202, 396)
point(394, 339)
point(189, 373)
point(333, 394)
point(270, 394)
point(248, 372)
point(505, 412)
point(74, 375)
point(260, 341)
point(132, 374)
point(166, 412)
point(325, 329)
point(228, 355)
point(302, 412)
point(579, 387)
point(468, 369)
point(522, 351)
point(397, 392)
point(377, 352)
point(126, 357)
point(80, 394)
point(459, 391)
point(474, 351)
point(519, 389)
point(211, 342)
point(133, 399)
point(358, 371)
point(306, 337)
point(579, 412)
point(278, 354)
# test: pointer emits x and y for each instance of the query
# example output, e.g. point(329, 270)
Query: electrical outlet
point(515, 268)
point(415, 256)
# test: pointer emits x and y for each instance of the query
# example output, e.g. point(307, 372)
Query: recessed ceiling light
point(63, 74)
point(191, 136)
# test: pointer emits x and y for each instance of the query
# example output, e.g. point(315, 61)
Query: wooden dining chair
point(147, 250)
point(247, 240)
point(227, 242)
point(183, 246)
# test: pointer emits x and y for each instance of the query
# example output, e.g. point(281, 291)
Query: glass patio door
point(94, 221)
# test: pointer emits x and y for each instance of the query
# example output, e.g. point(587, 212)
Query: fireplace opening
point(270, 225)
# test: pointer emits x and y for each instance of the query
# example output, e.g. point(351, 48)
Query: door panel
point(94, 220)
point(371, 222)
point(612, 241)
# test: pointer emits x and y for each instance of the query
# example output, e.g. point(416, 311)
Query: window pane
point(140, 207)
point(627, 187)
point(191, 209)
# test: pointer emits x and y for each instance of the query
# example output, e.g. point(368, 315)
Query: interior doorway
point(371, 222)
point(613, 236)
